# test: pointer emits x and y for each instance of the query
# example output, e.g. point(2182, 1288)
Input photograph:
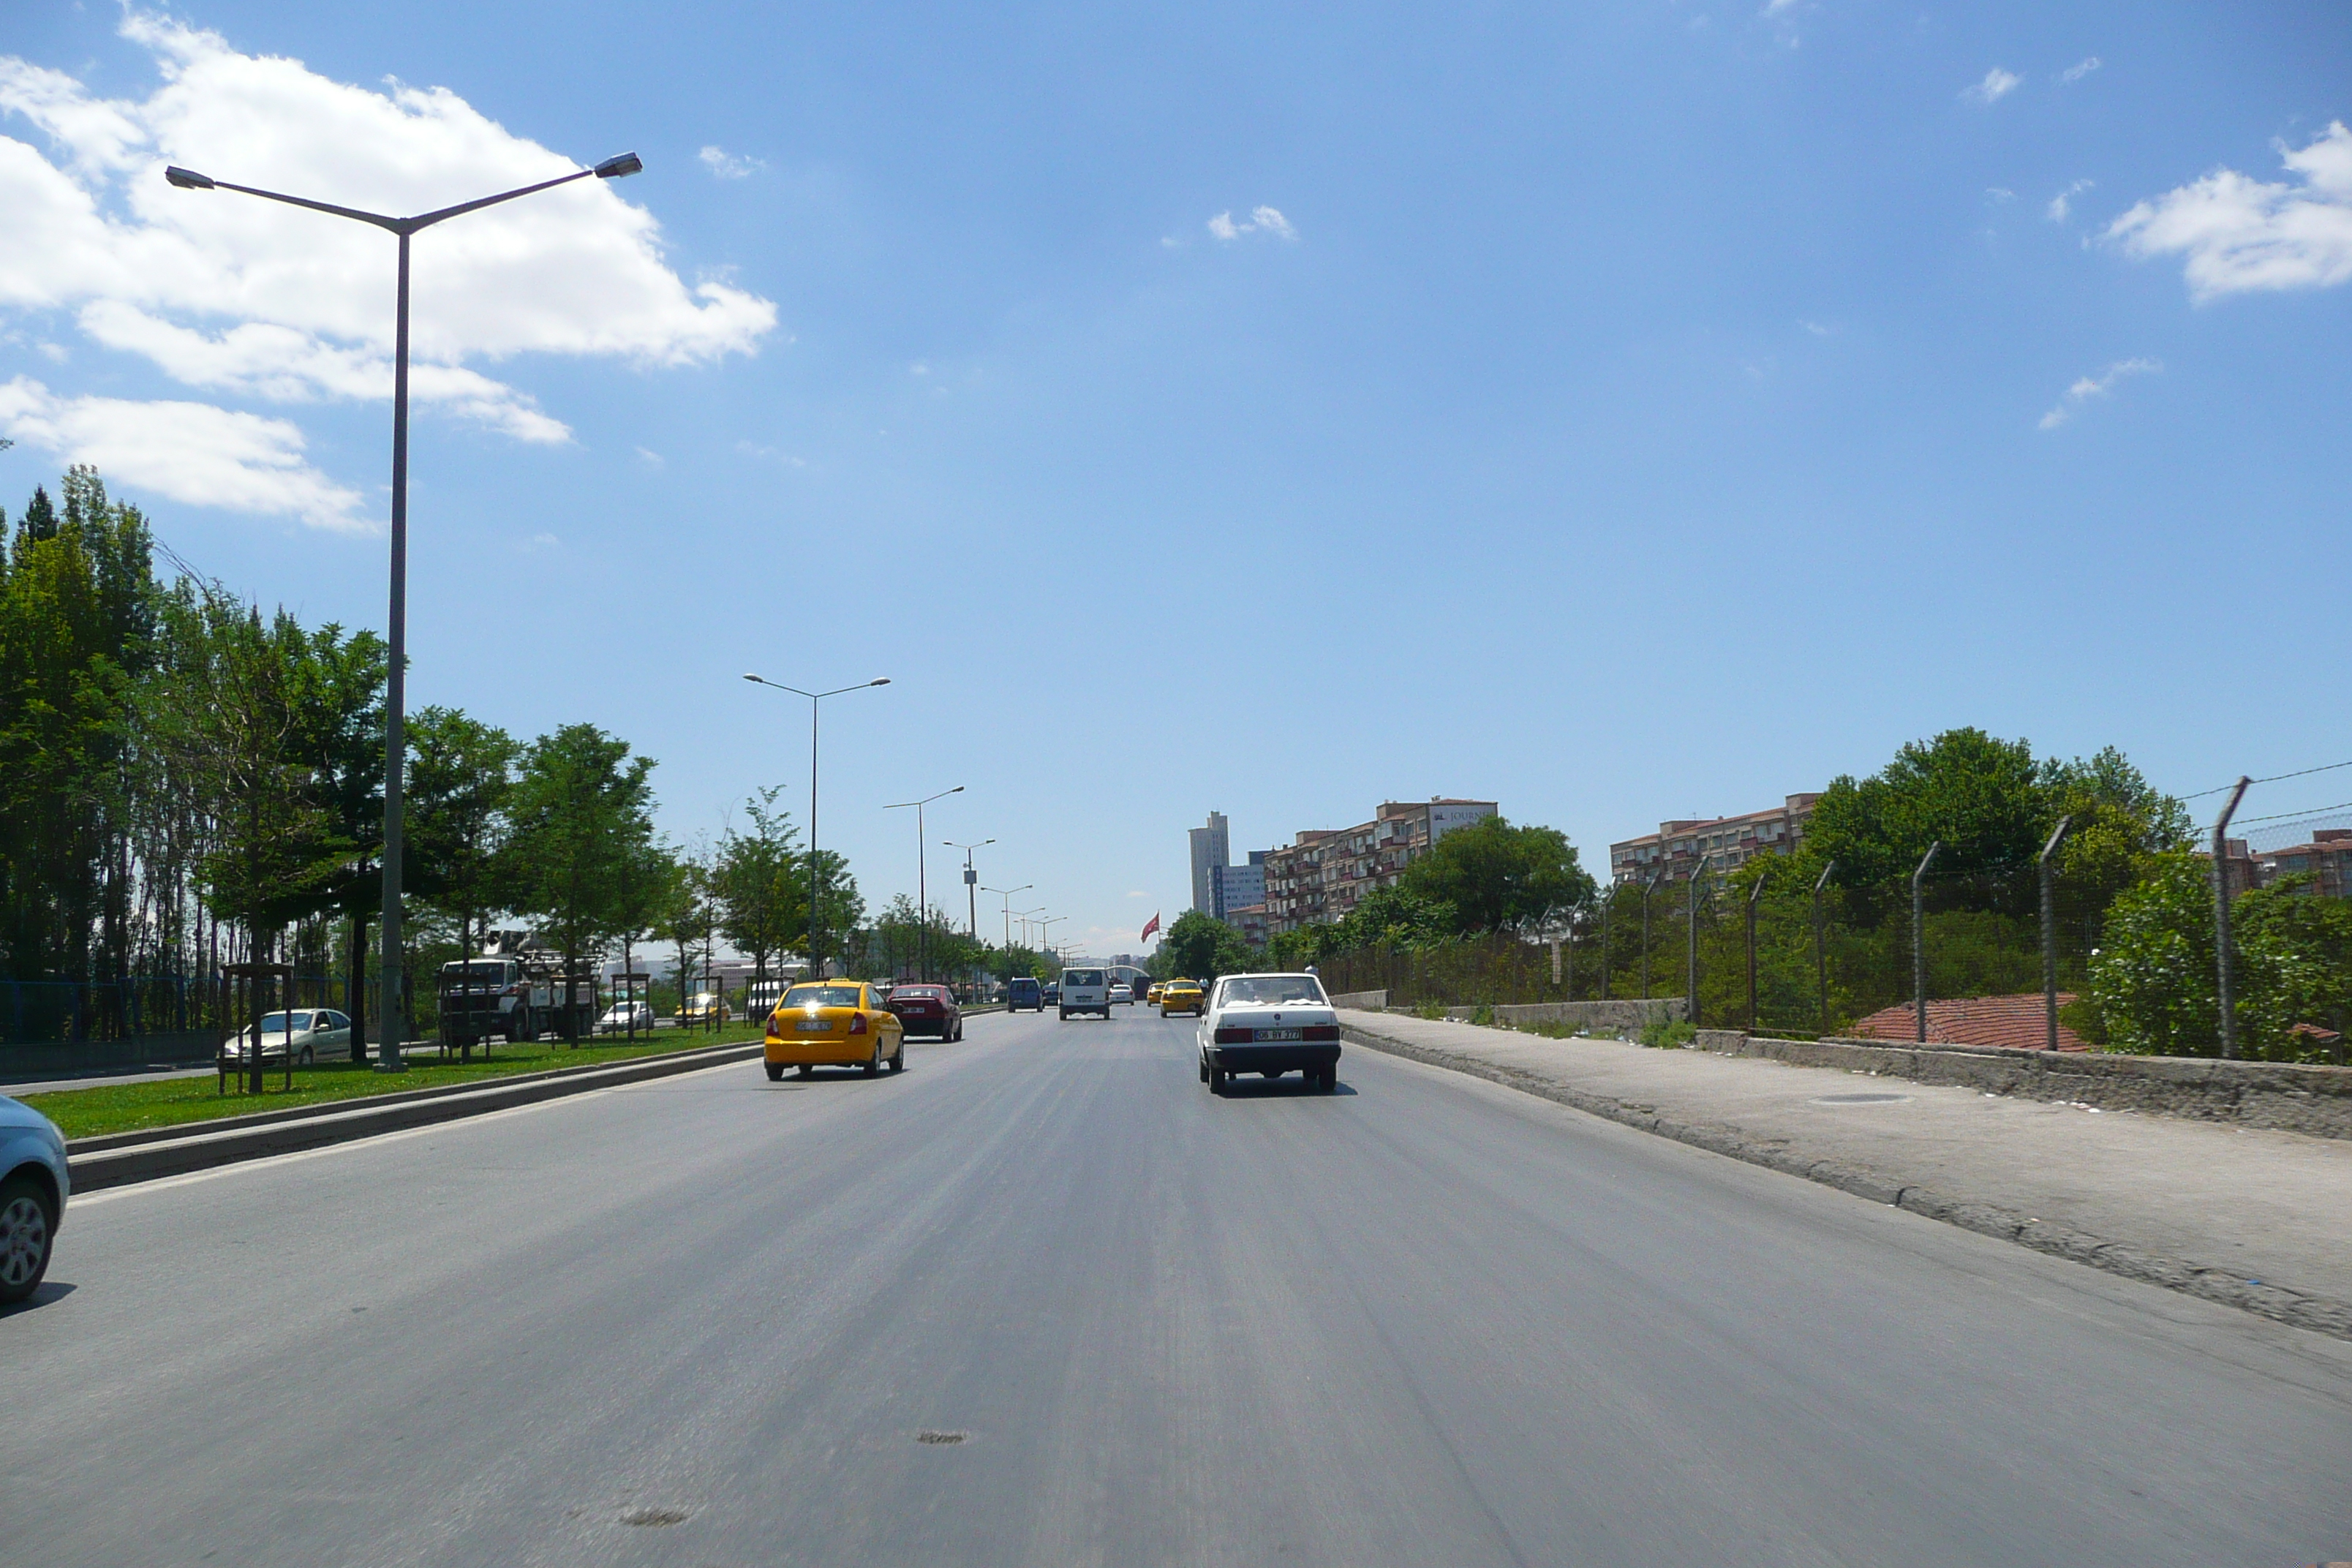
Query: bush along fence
point(71, 1026)
point(2242, 951)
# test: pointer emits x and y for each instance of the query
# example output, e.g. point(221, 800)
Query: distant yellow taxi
point(1151, 998)
point(1181, 996)
point(834, 1023)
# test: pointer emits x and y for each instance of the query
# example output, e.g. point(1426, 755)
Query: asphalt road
point(1423, 1321)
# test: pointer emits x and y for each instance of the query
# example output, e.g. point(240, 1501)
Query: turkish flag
point(1148, 929)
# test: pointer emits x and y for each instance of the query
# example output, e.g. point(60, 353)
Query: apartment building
point(1211, 847)
point(1727, 841)
point(1322, 873)
point(2327, 857)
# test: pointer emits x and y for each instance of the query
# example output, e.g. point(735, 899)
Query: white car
point(1269, 1024)
point(1123, 993)
point(306, 1033)
point(34, 1182)
point(622, 1016)
point(1086, 991)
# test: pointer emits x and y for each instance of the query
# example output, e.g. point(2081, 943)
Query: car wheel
point(959, 1031)
point(775, 1072)
point(304, 1059)
point(1217, 1080)
point(874, 1064)
point(28, 1224)
point(1066, 1015)
point(804, 1070)
point(1204, 1069)
point(1330, 1080)
point(898, 1057)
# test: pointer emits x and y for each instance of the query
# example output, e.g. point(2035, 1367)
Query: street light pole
point(922, 879)
point(815, 955)
point(970, 883)
point(1007, 894)
point(392, 1004)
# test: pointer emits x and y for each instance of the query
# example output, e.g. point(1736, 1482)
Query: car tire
point(898, 1057)
point(304, 1059)
point(29, 1229)
point(775, 1072)
point(804, 1070)
point(873, 1065)
point(1330, 1080)
point(1204, 1069)
point(1217, 1080)
point(1066, 1015)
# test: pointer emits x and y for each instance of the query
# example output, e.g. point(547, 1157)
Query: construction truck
point(517, 991)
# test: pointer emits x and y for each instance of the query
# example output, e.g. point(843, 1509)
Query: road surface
point(1042, 1299)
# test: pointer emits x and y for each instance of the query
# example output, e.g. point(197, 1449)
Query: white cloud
point(726, 165)
point(651, 459)
point(2099, 385)
point(1997, 85)
point(2078, 70)
point(2062, 203)
point(2000, 194)
point(1261, 220)
point(254, 300)
point(2240, 234)
point(191, 452)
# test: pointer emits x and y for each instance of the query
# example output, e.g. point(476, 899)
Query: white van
point(1086, 991)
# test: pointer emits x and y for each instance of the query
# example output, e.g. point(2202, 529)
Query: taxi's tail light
point(1235, 1036)
point(1320, 1032)
point(857, 1022)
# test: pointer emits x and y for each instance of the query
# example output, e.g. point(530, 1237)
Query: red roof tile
point(2017, 1022)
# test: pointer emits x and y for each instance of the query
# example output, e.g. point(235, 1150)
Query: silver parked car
point(32, 1188)
point(304, 1033)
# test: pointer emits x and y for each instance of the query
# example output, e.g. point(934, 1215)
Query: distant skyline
point(1621, 415)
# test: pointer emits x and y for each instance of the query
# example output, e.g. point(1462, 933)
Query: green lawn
point(124, 1107)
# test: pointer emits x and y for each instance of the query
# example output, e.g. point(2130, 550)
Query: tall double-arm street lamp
point(922, 879)
point(970, 881)
point(816, 951)
point(392, 1004)
point(1007, 894)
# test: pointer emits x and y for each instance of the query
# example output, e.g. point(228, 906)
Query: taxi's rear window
point(824, 996)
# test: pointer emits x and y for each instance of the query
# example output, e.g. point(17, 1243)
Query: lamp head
point(754, 680)
point(187, 179)
point(883, 682)
point(620, 168)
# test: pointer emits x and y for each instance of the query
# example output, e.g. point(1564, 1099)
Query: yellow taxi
point(834, 1023)
point(1151, 998)
point(1182, 996)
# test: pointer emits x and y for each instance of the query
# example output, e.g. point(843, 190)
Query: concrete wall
point(1361, 1001)
point(2317, 1100)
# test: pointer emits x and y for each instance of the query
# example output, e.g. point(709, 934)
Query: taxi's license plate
point(1280, 1035)
point(812, 1026)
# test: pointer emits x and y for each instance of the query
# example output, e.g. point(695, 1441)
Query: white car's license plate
point(1280, 1035)
point(812, 1026)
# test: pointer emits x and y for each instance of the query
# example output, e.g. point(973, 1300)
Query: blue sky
point(1620, 413)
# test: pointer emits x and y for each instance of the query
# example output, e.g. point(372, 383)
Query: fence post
point(1647, 888)
point(1608, 988)
point(2050, 935)
point(1919, 943)
point(2222, 920)
point(1691, 979)
point(1820, 947)
point(1754, 893)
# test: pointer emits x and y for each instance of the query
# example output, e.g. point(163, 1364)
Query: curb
point(2319, 1314)
point(119, 1159)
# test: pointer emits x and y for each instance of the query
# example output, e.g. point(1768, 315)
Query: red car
point(928, 1010)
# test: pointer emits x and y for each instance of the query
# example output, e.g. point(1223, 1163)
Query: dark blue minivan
point(1021, 990)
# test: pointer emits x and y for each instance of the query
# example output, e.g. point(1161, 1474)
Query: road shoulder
point(2248, 1217)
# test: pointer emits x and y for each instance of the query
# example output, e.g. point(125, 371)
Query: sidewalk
point(2255, 1218)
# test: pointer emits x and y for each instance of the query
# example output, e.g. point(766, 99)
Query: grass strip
point(172, 1103)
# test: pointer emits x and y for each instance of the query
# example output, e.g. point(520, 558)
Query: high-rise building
point(1237, 887)
point(1211, 850)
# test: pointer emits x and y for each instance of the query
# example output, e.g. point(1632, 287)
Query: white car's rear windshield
point(1274, 990)
point(822, 997)
point(1083, 977)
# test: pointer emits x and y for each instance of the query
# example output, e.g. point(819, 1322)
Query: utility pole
point(2050, 935)
point(2221, 921)
point(1919, 943)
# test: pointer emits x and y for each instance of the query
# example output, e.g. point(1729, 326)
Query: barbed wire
point(2299, 773)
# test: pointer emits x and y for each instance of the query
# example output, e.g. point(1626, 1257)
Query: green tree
point(689, 916)
point(582, 811)
point(640, 904)
point(760, 883)
point(1496, 877)
point(1199, 946)
point(2154, 982)
point(460, 776)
